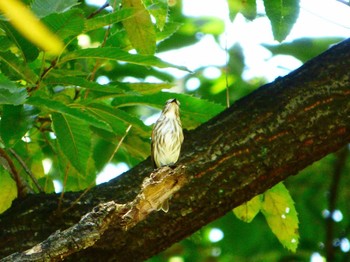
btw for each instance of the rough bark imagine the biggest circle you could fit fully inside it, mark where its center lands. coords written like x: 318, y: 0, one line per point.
x: 262, y: 139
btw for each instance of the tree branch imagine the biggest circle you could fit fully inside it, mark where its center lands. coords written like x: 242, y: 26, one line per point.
x: 262, y: 139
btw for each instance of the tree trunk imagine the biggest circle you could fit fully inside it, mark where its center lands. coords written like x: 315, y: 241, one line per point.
x: 262, y: 139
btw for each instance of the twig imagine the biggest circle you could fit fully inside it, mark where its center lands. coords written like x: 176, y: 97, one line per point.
x: 80, y: 197
x: 64, y: 185
x: 98, y: 61
x: 120, y: 143
x: 22, y: 188
x: 27, y: 170
x: 98, y: 11
x: 333, y: 194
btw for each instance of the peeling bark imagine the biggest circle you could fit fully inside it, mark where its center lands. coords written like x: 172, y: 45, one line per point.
x: 261, y: 140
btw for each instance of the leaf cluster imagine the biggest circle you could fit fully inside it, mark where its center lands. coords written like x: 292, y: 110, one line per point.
x: 60, y: 125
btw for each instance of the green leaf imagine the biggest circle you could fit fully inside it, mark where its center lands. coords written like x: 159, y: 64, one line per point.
x: 169, y: 29
x: 15, y: 122
x: 140, y: 29
x: 103, y: 150
x: 282, y: 16
x: 29, y: 51
x: 112, y: 18
x: 43, y: 8
x: 5, y: 43
x: 82, y: 82
x: 75, y: 181
x: 304, y: 48
x: 77, y: 111
x: 246, y: 7
x: 247, y: 211
x: 147, y: 88
x: 74, y: 137
x: 114, y: 53
x: 10, y: 93
x: 159, y: 10
x: 206, y: 25
x: 8, y: 190
x: 281, y: 216
x: 21, y: 70
x: 68, y: 24
x: 118, y: 119
x: 194, y: 111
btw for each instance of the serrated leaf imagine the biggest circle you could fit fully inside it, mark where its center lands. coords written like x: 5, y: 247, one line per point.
x: 68, y: 24
x: 246, y: 7
x: 140, y: 29
x: 118, y: 119
x: 147, y: 88
x: 82, y: 82
x: 114, y: 53
x: 247, y: 211
x: 194, y: 111
x: 74, y: 138
x: 46, y: 7
x: 20, y: 69
x: 281, y: 216
x: 282, y: 16
x: 10, y: 93
x: 77, y: 111
x: 14, y: 123
x: 112, y: 18
x: 8, y: 190
x: 169, y: 29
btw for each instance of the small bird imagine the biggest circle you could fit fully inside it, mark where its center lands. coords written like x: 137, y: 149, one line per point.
x: 167, y: 138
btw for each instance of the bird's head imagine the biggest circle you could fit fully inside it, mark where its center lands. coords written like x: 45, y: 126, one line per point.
x: 171, y: 107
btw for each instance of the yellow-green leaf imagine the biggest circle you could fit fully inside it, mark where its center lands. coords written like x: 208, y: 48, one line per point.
x: 140, y: 29
x: 247, y: 211
x: 159, y: 10
x: 8, y: 191
x: 281, y: 216
x: 246, y: 7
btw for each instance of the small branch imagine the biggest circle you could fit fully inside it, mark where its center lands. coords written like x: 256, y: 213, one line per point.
x: 27, y: 170
x: 333, y: 194
x: 76, y: 201
x: 22, y: 188
x: 120, y: 143
x: 98, y: 11
x: 63, y: 189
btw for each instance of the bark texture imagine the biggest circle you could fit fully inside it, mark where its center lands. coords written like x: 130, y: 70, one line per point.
x: 262, y: 139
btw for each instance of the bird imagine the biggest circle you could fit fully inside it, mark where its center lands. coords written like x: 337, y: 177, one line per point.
x: 167, y: 138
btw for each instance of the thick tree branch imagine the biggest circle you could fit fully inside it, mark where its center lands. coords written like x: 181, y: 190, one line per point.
x: 262, y: 139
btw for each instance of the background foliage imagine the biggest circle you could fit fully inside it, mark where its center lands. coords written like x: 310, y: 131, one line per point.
x: 61, y: 125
